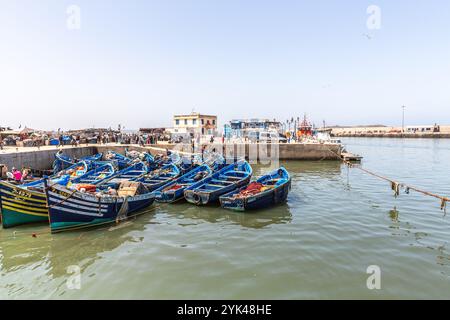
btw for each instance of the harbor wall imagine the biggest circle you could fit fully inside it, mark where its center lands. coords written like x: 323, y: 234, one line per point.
x: 395, y: 135
x: 42, y: 159
x: 251, y: 151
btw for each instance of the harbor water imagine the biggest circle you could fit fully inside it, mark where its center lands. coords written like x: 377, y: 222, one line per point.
x: 336, y: 224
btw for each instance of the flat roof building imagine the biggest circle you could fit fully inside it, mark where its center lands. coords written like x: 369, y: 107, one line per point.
x: 195, y: 123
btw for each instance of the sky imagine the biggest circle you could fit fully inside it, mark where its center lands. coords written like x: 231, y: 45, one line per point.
x: 137, y: 63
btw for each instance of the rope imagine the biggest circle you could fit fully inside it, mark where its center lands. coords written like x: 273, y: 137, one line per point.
x: 395, y: 185
x: 62, y: 201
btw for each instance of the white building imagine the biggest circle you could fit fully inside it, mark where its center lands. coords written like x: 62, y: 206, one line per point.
x: 194, y: 123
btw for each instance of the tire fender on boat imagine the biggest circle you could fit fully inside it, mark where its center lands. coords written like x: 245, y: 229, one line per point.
x: 197, y: 199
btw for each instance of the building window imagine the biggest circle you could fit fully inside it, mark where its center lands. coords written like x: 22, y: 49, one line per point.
x: 194, y: 121
x: 203, y: 121
x: 185, y: 121
x: 214, y: 122
x: 177, y: 122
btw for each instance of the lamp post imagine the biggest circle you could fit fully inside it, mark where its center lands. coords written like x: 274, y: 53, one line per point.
x: 403, y: 119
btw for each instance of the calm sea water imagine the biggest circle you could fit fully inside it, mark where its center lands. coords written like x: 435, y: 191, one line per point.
x: 336, y: 223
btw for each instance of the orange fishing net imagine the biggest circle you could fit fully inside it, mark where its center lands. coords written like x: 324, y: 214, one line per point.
x: 174, y: 187
x: 252, y: 189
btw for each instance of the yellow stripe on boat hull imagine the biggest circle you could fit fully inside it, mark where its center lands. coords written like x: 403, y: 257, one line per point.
x: 27, y: 203
x: 27, y: 198
x: 25, y: 211
x: 12, y: 204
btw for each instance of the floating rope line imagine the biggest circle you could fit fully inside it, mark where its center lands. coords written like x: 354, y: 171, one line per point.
x: 395, y: 185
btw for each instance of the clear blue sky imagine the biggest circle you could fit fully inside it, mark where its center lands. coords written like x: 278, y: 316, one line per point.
x: 139, y: 62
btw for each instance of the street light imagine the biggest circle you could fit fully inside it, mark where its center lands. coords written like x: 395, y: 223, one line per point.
x: 403, y: 119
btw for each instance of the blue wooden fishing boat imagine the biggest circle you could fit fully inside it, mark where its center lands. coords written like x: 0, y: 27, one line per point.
x: 223, y: 181
x: 188, y: 163
x: 63, y: 161
x: 174, y: 191
x: 78, y: 169
x: 159, y: 177
x: 268, y: 190
x: 215, y: 161
x: 95, y: 176
x: 72, y: 209
x: 121, y: 160
x: 130, y: 173
x: 142, y: 156
x: 170, y: 157
x: 26, y: 203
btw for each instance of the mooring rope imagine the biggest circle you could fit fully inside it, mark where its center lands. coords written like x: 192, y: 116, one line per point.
x: 395, y: 185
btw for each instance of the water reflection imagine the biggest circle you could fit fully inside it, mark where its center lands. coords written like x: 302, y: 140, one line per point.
x: 323, y: 169
x: 57, y: 252
x: 262, y: 218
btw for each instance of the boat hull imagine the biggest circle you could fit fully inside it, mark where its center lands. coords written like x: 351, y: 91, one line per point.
x: 278, y: 184
x: 167, y: 195
x: 20, y: 206
x: 205, y: 198
x: 224, y: 181
x: 72, y: 210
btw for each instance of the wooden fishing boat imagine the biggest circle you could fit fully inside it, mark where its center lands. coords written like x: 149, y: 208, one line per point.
x: 159, y: 177
x: 174, y: 190
x: 268, y: 190
x: 95, y: 176
x: 19, y: 205
x: 26, y: 203
x: 121, y: 160
x: 188, y: 163
x: 72, y: 209
x: 134, y: 171
x: 63, y: 161
x: 163, y: 159
x: 142, y: 156
x: 227, y: 179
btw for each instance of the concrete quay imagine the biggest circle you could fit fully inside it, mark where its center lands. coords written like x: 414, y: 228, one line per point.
x: 43, y: 157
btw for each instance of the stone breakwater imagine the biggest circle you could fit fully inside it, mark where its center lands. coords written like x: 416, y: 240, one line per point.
x: 395, y: 135
x: 42, y: 159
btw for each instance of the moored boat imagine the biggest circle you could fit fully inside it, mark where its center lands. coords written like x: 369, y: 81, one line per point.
x: 174, y: 190
x: 72, y: 209
x: 63, y: 161
x: 96, y: 175
x: 26, y: 203
x: 159, y: 177
x: 121, y: 160
x: 170, y: 157
x: 270, y: 189
x: 19, y: 205
x: 223, y: 181
x: 132, y: 172
x: 142, y: 156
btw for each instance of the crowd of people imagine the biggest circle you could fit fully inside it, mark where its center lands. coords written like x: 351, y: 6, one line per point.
x: 80, y: 138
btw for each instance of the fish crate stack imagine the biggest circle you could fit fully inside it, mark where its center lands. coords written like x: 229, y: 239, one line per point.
x: 130, y: 189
